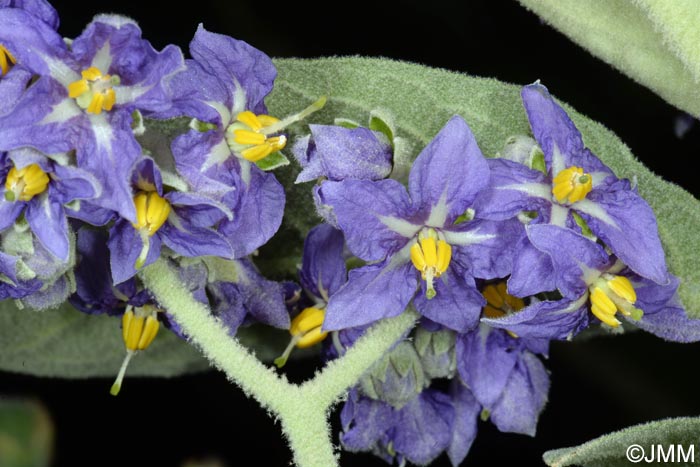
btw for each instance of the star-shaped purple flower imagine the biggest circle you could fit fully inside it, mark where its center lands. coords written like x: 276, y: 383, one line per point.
x: 181, y: 221
x: 591, y: 281
x: 574, y: 181
x: 406, y: 236
x: 40, y: 188
x: 226, y: 79
x: 85, y: 95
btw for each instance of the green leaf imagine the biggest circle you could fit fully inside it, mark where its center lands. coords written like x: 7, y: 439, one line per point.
x: 659, y: 39
x: 422, y: 99
x: 65, y: 342
x: 273, y: 161
x: 611, y: 450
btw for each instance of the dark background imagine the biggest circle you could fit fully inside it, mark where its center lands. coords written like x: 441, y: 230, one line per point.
x: 598, y: 386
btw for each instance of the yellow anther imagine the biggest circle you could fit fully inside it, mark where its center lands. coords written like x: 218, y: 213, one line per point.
x: 431, y: 257
x: 25, y: 183
x: 305, y: 330
x: 151, y: 211
x: 611, y: 294
x: 307, y: 326
x: 6, y: 60
x: 94, y: 91
x: 247, y: 136
x: 499, y: 303
x: 571, y: 185
x: 603, y: 307
x: 139, y: 328
x: 623, y: 288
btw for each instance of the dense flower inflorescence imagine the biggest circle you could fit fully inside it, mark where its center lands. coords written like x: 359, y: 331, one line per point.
x: 114, y: 154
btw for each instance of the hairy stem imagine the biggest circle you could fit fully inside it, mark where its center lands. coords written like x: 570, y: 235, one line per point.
x: 303, y: 410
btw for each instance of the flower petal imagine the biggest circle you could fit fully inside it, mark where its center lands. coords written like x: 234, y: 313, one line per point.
x: 48, y: 221
x: 190, y: 240
x: 244, y: 70
x: 523, y: 397
x: 513, y: 188
x: 485, y: 359
x: 372, y: 292
x: 560, y: 319
x: 577, y: 260
x: 257, y: 206
x: 533, y: 271
x: 457, y: 303
x: 323, y: 269
x: 423, y: 427
x: 125, y: 246
x: 626, y: 223
x: 485, y: 248
x: 556, y: 134
x: 448, y: 174
x: 371, y: 214
x: 351, y: 153
x: 466, y: 409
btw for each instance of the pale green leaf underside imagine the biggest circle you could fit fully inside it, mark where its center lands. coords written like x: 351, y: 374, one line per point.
x: 610, y: 450
x: 68, y: 343
x: 656, y: 43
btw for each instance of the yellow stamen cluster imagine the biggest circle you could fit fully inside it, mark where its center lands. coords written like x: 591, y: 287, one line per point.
x: 6, y: 60
x: 25, y: 183
x: 305, y: 330
x: 246, y: 136
x: 94, y: 91
x: 610, y: 294
x: 431, y: 257
x: 151, y: 212
x: 571, y: 185
x: 499, y: 302
x: 138, y: 331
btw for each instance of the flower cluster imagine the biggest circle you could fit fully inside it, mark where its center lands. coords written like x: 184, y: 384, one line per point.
x: 499, y: 257
x: 114, y: 155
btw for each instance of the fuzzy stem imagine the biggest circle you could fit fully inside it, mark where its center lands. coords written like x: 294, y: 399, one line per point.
x: 303, y: 410
x: 211, y: 336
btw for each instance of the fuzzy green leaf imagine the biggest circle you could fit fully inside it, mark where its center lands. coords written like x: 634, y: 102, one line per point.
x: 611, y: 450
x: 653, y: 42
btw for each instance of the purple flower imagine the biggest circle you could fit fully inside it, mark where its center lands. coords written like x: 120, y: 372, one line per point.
x: 85, y: 95
x: 417, y: 236
x: 573, y: 180
x: 40, y: 188
x: 589, y: 279
x: 224, y: 87
x: 418, y: 432
x: 95, y: 290
x: 322, y: 273
x: 181, y: 221
x: 338, y: 153
x: 505, y: 377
